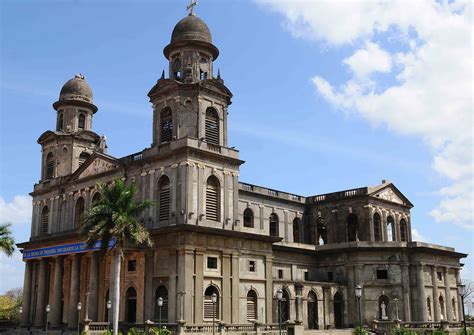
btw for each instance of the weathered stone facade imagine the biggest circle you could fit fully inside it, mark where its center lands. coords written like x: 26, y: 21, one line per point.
x: 213, y: 233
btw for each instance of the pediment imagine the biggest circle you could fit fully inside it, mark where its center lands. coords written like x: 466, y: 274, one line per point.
x: 97, y: 164
x: 392, y: 194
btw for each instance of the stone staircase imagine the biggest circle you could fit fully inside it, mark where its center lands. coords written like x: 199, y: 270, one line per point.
x: 329, y: 332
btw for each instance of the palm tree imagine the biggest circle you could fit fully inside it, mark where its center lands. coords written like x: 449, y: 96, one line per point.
x: 7, y: 243
x: 114, y: 220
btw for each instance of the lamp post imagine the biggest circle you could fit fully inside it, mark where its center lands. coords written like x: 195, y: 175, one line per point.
x: 462, y: 294
x: 214, y: 300
x: 358, y: 294
x: 160, y: 304
x: 20, y: 311
x: 396, y: 308
x: 48, y: 309
x: 109, y: 305
x: 79, y: 307
x: 279, y: 298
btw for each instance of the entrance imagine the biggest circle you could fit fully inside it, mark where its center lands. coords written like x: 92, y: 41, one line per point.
x: 312, y: 311
x: 338, y: 310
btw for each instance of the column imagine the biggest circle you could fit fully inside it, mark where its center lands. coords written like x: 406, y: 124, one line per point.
x: 185, y: 282
x: 41, y: 301
x: 436, y: 307
x: 235, y: 288
x: 268, y: 289
x: 56, y: 305
x: 149, y: 294
x: 172, y: 289
x: 422, y: 311
x: 406, y: 292
x: 199, y: 289
x: 94, y: 287
x: 25, y: 317
x: 448, y: 306
x: 74, y: 291
x: 226, y: 289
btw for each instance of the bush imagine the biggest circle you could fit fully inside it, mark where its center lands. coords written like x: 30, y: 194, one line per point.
x: 403, y: 331
x: 470, y: 331
x: 157, y: 331
x: 358, y: 331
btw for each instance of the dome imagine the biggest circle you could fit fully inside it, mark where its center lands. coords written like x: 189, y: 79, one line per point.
x: 191, y: 28
x: 76, y: 89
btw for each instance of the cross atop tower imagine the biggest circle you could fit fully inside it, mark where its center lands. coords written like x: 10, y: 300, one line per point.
x: 191, y: 6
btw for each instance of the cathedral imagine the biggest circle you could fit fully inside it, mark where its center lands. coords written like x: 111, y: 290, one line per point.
x: 264, y: 254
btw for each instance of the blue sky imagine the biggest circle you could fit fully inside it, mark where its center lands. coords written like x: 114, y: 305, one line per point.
x: 327, y: 96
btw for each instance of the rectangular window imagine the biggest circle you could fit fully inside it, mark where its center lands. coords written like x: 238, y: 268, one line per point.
x: 382, y: 274
x: 132, y: 265
x: 252, y: 266
x: 212, y: 262
x: 439, y: 275
x: 330, y: 276
x: 306, y: 275
x: 280, y: 274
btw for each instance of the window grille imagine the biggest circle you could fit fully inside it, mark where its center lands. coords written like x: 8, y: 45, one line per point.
x: 82, y: 121
x: 251, y: 266
x: 251, y: 305
x: 377, y: 227
x: 166, y: 125
x: 45, y: 221
x: 273, y: 225
x: 164, y: 199
x: 50, y: 166
x: 248, y: 218
x: 212, y: 126
x: 209, y: 309
x: 212, y: 199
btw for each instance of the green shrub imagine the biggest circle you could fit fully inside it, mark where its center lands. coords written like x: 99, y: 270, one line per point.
x: 403, y: 331
x: 358, y: 331
x: 157, y: 331
x: 470, y: 331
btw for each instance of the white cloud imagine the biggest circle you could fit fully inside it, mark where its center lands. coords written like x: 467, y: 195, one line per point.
x: 430, y: 94
x: 416, y: 236
x: 18, y: 211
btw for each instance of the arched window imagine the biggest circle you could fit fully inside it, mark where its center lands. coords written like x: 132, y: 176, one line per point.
x: 248, y: 218
x: 307, y: 234
x: 213, y: 199
x: 352, y: 228
x: 83, y: 157
x: 338, y: 310
x: 285, y: 306
x: 50, y: 166
x: 45, y: 221
x: 377, y: 227
x: 96, y: 198
x: 60, y: 124
x: 428, y: 308
x: 164, y: 201
x: 252, y: 306
x: 79, y: 213
x: 210, y: 308
x: 177, y: 69
x: 212, y: 126
x: 296, y: 230
x: 441, y: 307
x: 161, y: 292
x: 312, y: 310
x: 203, y: 69
x: 81, y: 124
x: 166, y: 125
x: 390, y: 229
x: 273, y: 225
x: 322, y: 237
x: 131, y: 305
x: 403, y: 230
x: 453, y: 307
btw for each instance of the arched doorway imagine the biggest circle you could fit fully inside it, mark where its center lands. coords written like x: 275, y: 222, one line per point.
x: 383, y: 307
x: 161, y: 292
x: 338, y: 310
x: 312, y: 310
x: 211, y: 310
x: 131, y: 305
x: 284, y: 306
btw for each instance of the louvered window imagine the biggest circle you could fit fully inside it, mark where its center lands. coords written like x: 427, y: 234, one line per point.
x: 212, y: 126
x: 83, y: 157
x: 212, y: 199
x: 210, y: 308
x: 50, y: 166
x: 166, y: 125
x: 45, y: 221
x: 273, y: 224
x: 251, y: 306
x: 164, y: 199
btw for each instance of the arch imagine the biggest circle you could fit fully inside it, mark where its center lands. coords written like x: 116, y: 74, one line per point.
x: 377, y: 227
x: 212, y: 133
x: 81, y: 123
x: 166, y: 117
x: 177, y: 73
x: 45, y: 221
x: 442, y: 313
x: 338, y: 305
x: 274, y: 223
x: 352, y: 228
x: 321, y: 231
x: 50, y: 165
x: 252, y: 306
x: 83, y: 157
x: 164, y: 198
x: 79, y: 213
x: 131, y: 305
x: 296, y: 230
x: 162, y: 292
x: 248, y: 218
x: 383, y: 307
x: 60, y: 123
x: 403, y: 230
x: 213, y: 198
x: 390, y: 229
x: 312, y: 310
x: 209, y: 309
x: 285, y: 306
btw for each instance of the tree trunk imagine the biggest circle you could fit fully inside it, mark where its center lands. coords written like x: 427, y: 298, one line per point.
x: 115, y: 287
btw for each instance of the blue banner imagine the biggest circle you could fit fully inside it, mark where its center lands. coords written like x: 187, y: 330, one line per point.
x: 63, y: 249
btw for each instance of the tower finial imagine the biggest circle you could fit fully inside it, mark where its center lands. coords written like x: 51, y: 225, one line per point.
x: 190, y: 7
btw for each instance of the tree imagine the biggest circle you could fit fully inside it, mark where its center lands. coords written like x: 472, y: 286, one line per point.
x: 7, y: 243
x: 113, y: 221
